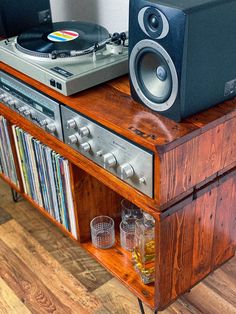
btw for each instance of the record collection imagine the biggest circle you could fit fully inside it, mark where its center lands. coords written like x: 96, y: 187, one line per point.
x: 46, y: 178
x: 7, y: 165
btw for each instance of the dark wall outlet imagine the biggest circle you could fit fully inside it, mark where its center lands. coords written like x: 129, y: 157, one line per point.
x: 44, y: 16
x: 17, y: 16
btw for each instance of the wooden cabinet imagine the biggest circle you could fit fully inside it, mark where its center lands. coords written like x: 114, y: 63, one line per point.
x: 194, y: 186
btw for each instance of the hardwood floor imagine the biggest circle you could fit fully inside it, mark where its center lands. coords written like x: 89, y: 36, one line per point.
x: 43, y: 271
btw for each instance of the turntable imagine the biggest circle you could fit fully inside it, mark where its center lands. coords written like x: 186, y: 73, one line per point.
x: 67, y: 56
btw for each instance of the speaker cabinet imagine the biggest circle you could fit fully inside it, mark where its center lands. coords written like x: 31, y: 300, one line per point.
x: 182, y: 54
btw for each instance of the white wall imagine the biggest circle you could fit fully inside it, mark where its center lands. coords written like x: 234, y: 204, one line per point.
x: 112, y: 14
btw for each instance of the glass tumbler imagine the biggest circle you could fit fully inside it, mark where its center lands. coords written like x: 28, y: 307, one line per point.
x: 127, y: 234
x: 129, y: 210
x: 102, y: 232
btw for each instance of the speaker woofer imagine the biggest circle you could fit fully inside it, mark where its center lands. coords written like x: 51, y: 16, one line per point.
x: 153, y: 75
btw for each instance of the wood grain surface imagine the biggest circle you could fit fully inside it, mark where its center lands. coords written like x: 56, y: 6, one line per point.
x: 44, y: 243
x: 186, y: 153
x: 195, y: 239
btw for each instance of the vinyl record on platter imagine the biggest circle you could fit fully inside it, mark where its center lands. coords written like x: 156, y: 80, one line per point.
x: 72, y: 35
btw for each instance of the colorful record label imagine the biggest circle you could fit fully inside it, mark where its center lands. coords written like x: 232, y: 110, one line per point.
x: 63, y: 35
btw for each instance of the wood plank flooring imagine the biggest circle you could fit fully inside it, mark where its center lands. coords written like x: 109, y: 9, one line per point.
x: 43, y: 271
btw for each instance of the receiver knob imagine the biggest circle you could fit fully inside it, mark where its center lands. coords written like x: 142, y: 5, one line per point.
x: 50, y: 128
x: 30, y: 113
x: 71, y: 124
x: 142, y: 180
x: 73, y: 139
x: 99, y: 153
x: 12, y: 102
x: 84, y: 131
x: 44, y: 122
x: 125, y: 171
x: 6, y: 99
x: 109, y: 160
x: 22, y: 109
x: 86, y: 147
x: 3, y: 95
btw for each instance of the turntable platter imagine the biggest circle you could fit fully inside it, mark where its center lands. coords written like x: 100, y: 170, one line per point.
x: 61, y: 36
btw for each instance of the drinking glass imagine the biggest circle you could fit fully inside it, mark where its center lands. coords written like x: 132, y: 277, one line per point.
x: 102, y: 232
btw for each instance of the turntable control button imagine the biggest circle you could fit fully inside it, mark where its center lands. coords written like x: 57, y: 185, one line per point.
x: 86, y: 147
x: 52, y: 82
x: 59, y: 86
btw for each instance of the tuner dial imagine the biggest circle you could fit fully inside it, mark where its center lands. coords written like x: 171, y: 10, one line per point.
x: 86, y: 147
x: 109, y: 160
x: 71, y: 124
x: 73, y: 139
x: 50, y: 128
x: 125, y: 171
x: 84, y: 131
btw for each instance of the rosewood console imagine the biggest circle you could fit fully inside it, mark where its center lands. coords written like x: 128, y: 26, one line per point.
x: 194, y: 201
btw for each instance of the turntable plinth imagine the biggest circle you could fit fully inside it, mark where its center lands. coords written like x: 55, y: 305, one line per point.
x: 194, y: 186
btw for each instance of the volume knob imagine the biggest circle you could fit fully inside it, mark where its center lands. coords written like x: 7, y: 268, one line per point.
x: 125, y: 171
x: 84, y: 131
x: 109, y: 160
x: 71, y: 124
x: 86, y: 147
x: 73, y: 139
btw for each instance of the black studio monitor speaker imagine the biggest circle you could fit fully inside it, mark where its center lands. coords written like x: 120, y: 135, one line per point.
x: 182, y: 54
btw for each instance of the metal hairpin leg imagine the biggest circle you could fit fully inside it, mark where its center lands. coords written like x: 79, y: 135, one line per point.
x: 141, y: 306
x: 142, y: 309
x: 15, y: 196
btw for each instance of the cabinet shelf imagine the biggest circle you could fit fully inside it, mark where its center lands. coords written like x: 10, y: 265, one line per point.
x: 118, y: 261
x: 9, y: 182
x: 35, y: 205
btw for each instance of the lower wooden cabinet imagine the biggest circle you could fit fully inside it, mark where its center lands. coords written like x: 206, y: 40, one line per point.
x: 193, y: 237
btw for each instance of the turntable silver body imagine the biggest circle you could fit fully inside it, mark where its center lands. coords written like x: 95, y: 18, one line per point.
x: 67, y: 75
